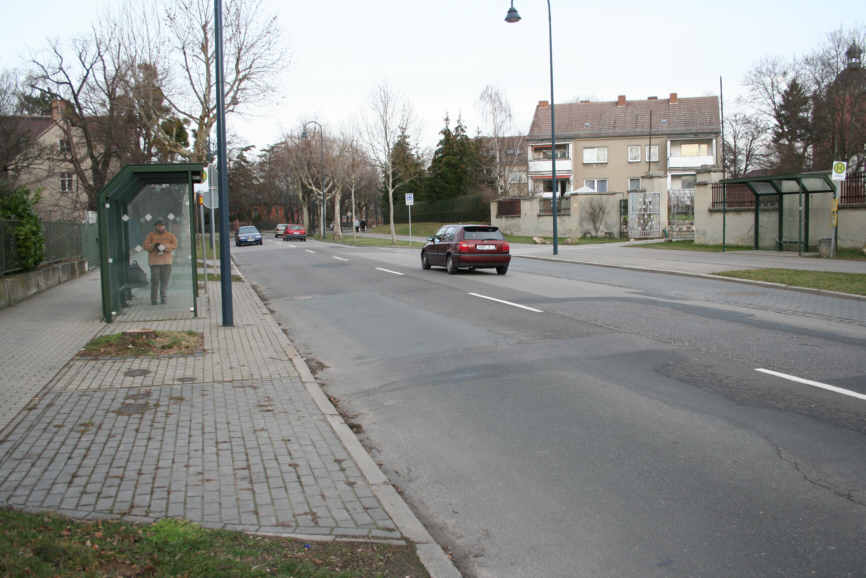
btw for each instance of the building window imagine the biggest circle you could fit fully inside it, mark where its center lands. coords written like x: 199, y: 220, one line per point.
x: 652, y: 153
x: 597, y: 185
x: 634, y: 184
x: 695, y: 149
x: 66, y: 182
x: 634, y: 153
x: 594, y: 155
x: 546, y: 185
x: 542, y: 152
x: 63, y: 146
x: 686, y: 182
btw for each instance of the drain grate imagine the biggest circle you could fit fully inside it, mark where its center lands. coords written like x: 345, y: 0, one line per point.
x: 185, y: 379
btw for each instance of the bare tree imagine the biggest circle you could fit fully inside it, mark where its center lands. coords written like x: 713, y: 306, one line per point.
x: 506, y: 149
x: 390, y: 119
x: 252, y: 57
x: 93, y: 86
x: 19, y: 145
x: 747, y: 144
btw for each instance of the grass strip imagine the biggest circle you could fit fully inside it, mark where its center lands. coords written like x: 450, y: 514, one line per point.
x: 690, y: 246
x: 854, y: 283
x: 158, y: 343
x: 51, y: 545
x: 373, y: 242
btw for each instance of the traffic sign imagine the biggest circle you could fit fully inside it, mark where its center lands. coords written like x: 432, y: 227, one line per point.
x: 410, y: 199
x: 840, y: 168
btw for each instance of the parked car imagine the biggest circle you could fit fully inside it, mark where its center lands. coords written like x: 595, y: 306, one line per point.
x: 467, y: 247
x: 248, y: 235
x: 295, y: 232
x: 278, y: 231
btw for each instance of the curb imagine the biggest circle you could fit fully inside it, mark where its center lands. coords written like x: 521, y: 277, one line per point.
x: 437, y: 563
x: 701, y: 276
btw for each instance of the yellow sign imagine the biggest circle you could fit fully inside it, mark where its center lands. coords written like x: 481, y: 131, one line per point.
x: 839, y: 170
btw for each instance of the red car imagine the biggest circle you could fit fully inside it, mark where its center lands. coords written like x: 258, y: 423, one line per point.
x: 294, y: 232
x: 467, y: 247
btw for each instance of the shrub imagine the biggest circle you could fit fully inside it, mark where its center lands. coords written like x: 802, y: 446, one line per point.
x: 17, y: 205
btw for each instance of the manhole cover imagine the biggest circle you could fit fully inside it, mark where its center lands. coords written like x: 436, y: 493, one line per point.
x: 132, y: 408
x: 136, y: 372
x: 185, y: 379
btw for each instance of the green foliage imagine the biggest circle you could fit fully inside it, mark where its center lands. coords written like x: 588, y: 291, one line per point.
x: 792, y: 132
x: 16, y: 204
x: 457, y: 168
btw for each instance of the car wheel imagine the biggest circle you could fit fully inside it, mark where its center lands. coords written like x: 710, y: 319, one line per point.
x: 425, y: 263
x: 502, y: 270
x: 450, y: 265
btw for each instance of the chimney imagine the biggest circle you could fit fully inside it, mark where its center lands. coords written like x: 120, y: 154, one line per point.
x: 653, y: 98
x: 57, y: 109
x: 620, y: 100
x: 543, y: 104
x: 674, y: 99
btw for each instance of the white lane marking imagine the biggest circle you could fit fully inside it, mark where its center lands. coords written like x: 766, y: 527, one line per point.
x: 389, y: 271
x: 826, y: 386
x: 310, y: 251
x: 533, y: 309
x: 340, y: 258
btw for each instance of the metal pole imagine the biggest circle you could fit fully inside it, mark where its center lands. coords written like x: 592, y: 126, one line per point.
x: 410, y: 225
x: 553, y: 133
x: 724, y: 172
x: 322, y: 174
x: 225, y: 258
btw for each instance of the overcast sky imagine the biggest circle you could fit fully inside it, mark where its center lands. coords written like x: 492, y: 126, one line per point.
x: 440, y: 55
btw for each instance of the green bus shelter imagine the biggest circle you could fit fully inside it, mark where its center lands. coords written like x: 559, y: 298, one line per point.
x: 131, y: 206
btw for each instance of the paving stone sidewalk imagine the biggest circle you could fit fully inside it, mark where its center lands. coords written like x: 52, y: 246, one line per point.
x: 230, y: 438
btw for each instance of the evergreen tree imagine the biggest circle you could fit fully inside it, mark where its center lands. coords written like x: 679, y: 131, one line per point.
x: 457, y: 167
x: 793, y: 128
x: 409, y: 171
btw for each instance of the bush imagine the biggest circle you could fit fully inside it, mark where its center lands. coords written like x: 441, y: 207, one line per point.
x: 17, y: 205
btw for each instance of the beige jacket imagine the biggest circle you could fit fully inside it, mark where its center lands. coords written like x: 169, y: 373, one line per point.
x: 153, y: 240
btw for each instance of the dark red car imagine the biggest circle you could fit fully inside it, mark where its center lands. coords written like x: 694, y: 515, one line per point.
x: 467, y: 247
x: 292, y: 232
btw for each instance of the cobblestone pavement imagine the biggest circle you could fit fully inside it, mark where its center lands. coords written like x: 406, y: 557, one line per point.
x: 40, y: 335
x: 230, y: 438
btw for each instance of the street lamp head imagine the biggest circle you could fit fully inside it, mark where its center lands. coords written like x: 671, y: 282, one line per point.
x: 512, y: 15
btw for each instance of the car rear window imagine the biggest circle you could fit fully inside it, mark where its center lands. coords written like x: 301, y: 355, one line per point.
x: 482, y: 234
x: 248, y: 230
x: 296, y: 227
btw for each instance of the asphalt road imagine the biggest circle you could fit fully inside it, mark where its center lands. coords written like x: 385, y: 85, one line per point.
x: 617, y: 427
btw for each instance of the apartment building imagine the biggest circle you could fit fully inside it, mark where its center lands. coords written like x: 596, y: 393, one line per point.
x: 626, y: 145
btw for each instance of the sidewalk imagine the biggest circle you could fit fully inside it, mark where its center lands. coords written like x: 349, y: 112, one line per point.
x: 239, y: 437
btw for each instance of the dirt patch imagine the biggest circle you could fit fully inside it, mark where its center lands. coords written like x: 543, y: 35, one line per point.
x: 144, y: 344
x: 315, y: 366
x: 130, y: 409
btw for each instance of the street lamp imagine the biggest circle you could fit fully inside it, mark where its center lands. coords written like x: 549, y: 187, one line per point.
x: 511, y: 18
x: 321, y: 169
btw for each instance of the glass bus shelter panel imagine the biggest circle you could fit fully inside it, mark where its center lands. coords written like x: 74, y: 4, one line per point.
x: 789, y: 186
x: 763, y: 188
x: 155, y: 276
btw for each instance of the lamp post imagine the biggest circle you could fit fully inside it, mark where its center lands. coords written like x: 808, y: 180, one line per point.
x: 222, y: 173
x: 513, y: 17
x: 321, y: 169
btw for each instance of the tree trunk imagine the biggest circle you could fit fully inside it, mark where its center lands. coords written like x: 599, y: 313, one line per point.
x: 391, y: 204
x: 338, y: 221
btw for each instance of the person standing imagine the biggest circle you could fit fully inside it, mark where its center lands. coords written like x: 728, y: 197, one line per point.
x: 160, y: 245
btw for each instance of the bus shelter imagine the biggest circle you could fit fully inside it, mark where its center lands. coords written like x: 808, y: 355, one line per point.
x: 146, y: 242
x: 790, y: 197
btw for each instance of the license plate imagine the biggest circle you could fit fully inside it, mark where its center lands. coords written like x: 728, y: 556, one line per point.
x: 486, y: 247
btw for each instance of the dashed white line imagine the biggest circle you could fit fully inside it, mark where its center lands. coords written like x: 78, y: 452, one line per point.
x: 340, y: 258
x: 389, y: 271
x: 310, y: 251
x: 533, y: 309
x: 818, y: 384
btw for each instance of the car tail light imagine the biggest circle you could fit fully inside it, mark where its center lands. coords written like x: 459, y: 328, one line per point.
x: 505, y: 248
x: 464, y: 247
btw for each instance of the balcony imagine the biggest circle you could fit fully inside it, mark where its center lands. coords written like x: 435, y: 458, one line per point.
x: 546, y: 166
x: 690, y: 162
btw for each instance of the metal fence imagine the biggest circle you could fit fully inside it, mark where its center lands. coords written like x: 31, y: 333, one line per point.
x: 63, y: 241
x: 852, y: 191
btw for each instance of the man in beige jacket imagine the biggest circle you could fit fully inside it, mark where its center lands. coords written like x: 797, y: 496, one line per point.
x: 160, y: 245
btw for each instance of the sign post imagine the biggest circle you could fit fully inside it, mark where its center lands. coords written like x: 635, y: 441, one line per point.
x: 840, y: 169
x: 410, y: 200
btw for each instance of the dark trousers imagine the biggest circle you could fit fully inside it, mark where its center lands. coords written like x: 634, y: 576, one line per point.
x: 159, y: 275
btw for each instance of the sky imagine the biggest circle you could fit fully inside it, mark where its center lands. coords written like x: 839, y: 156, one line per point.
x: 439, y: 56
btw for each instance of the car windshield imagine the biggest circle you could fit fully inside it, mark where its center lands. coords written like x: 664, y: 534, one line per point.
x: 482, y: 234
x: 248, y: 230
x: 295, y: 227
